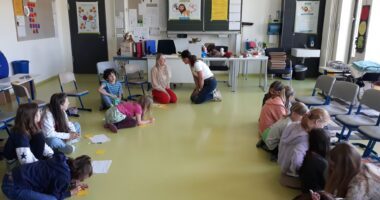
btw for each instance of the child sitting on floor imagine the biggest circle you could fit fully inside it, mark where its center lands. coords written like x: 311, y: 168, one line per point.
x: 128, y: 114
x: 271, y: 136
x: 26, y: 142
x: 275, y: 89
x: 55, y: 178
x: 275, y: 108
x: 59, y: 132
x: 294, y: 144
x: 111, y: 90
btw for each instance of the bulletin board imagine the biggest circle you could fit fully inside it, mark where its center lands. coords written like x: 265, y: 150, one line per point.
x: 34, y: 19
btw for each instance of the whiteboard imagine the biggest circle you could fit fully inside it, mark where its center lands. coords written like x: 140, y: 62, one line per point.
x: 306, y: 20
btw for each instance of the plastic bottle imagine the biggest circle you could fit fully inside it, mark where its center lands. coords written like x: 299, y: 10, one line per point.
x: 222, y: 51
x: 204, y: 52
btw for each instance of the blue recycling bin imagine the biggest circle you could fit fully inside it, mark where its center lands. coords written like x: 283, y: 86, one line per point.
x: 20, y: 67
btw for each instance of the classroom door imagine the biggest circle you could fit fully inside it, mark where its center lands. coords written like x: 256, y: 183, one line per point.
x: 88, y: 34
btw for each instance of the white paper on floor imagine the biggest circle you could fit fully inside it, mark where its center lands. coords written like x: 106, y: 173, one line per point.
x: 99, y: 139
x: 101, y: 166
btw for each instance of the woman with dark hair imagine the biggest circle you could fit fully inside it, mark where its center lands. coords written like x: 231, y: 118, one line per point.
x: 26, y: 143
x: 52, y: 179
x: 205, y: 82
x: 314, y: 166
x: 60, y: 133
x: 161, y: 82
x: 349, y: 178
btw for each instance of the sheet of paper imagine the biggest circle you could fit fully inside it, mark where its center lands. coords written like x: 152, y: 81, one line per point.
x: 132, y: 17
x: 154, y: 31
x: 21, y: 31
x: 98, y: 139
x: 152, y: 11
x: 142, y: 9
x: 234, y: 26
x: 235, y: 8
x: 235, y: 2
x: 101, y: 166
x: 234, y: 16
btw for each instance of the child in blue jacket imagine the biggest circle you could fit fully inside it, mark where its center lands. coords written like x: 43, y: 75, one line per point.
x: 55, y: 178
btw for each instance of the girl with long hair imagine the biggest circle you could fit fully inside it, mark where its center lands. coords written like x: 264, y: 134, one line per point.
x: 55, y: 178
x: 129, y: 114
x: 26, y: 142
x: 161, y: 82
x: 349, y: 177
x: 294, y: 144
x: 59, y: 132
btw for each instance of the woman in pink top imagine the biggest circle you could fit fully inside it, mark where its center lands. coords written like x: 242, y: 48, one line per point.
x: 275, y: 108
x: 129, y: 114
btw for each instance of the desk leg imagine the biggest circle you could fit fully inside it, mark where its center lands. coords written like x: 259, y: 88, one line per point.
x: 260, y: 73
x: 234, y: 76
x: 245, y: 69
x: 230, y: 73
x: 266, y: 75
x: 32, y: 89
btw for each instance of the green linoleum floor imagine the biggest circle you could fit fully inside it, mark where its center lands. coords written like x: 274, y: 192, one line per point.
x: 191, y: 152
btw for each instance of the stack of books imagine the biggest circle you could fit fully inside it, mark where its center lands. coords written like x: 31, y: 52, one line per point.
x: 277, y: 60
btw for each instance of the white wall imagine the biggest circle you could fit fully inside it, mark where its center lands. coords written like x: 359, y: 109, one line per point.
x: 373, y: 39
x: 47, y: 56
x: 344, y: 31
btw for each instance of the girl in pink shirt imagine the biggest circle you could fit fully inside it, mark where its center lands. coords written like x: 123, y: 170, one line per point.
x: 275, y: 109
x: 128, y: 114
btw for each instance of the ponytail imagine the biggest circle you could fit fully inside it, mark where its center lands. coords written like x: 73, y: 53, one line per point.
x: 80, y: 167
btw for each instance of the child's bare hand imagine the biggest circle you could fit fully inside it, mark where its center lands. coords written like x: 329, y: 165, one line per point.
x: 75, y: 190
x: 152, y: 120
x: 73, y: 136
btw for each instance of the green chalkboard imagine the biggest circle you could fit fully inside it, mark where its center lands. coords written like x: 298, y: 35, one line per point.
x: 205, y: 24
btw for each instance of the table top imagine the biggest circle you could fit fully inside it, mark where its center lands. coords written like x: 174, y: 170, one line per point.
x: 5, y: 83
x: 235, y: 58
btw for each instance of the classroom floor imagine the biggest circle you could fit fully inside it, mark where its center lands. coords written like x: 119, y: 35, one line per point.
x: 201, y: 152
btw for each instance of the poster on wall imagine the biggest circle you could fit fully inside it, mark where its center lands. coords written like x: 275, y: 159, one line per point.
x: 88, y: 17
x: 362, y: 31
x: 184, y: 9
x: 306, y: 20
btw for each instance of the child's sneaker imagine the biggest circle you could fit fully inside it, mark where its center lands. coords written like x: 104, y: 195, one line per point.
x: 111, y: 127
x: 217, y: 95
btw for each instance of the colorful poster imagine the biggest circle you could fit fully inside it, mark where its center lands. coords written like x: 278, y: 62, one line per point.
x: 362, y: 32
x: 88, y: 17
x: 219, y: 10
x: 184, y: 9
x: 306, y: 17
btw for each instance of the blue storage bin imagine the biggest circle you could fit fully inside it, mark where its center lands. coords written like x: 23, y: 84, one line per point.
x: 20, y: 67
x: 4, y: 67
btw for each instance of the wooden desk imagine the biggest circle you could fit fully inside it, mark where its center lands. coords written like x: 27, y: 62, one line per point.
x: 26, y: 80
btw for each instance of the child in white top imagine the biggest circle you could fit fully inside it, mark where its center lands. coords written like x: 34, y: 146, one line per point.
x: 60, y: 133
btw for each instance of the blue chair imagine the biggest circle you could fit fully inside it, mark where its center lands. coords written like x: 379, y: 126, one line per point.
x: 68, y: 77
x: 324, y: 83
x: 21, y: 92
x: 370, y: 99
x: 372, y: 133
x: 343, y: 96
